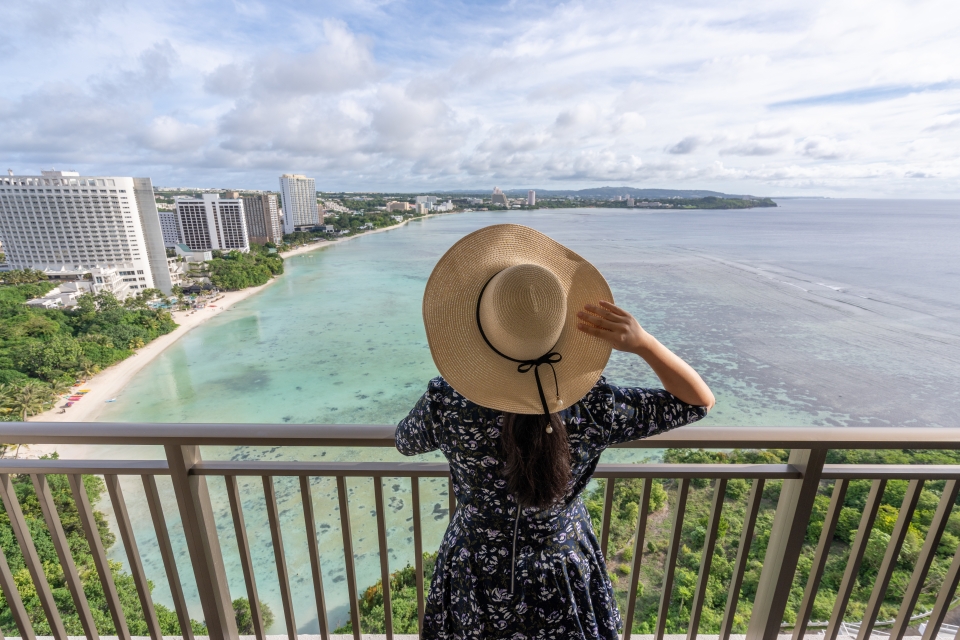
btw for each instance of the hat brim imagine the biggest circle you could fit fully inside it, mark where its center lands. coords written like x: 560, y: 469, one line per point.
x: 463, y: 357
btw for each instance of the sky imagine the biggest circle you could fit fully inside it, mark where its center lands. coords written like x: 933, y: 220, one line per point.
x: 776, y: 98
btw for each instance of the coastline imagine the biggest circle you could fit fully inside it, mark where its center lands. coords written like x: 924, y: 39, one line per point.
x: 111, y: 381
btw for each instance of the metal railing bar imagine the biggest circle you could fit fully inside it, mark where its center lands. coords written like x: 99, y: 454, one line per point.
x: 607, y: 514
x: 92, y: 533
x: 417, y: 548
x: 857, y: 550
x: 14, y: 602
x: 306, y: 496
x: 283, y: 576
x: 638, y: 539
x: 743, y: 554
x: 891, y: 471
x: 384, y: 555
x: 167, y: 555
x: 85, y: 467
x: 785, y: 545
x: 890, y: 555
x: 285, y: 435
x: 671, y: 562
x: 706, y: 558
x: 246, y: 563
x: 819, y: 564
x: 203, y: 542
x: 927, y: 552
x: 709, y: 471
x: 441, y: 469
x: 133, y: 555
x: 344, y: 499
x: 944, y: 597
x: 30, y: 557
x: 203, y: 433
x: 62, y: 547
x: 323, y: 469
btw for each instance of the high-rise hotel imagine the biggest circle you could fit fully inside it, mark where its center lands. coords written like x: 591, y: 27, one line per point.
x: 263, y: 218
x: 68, y: 226
x: 212, y: 223
x: 299, y: 194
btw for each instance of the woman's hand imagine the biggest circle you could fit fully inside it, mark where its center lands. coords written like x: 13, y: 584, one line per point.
x: 611, y: 323
x: 619, y: 328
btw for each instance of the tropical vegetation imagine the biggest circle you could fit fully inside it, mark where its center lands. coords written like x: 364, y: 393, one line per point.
x: 45, y: 351
x: 345, y: 224
x: 238, y: 270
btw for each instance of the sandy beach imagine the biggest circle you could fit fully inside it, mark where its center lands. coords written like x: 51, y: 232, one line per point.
x: 108, y: 383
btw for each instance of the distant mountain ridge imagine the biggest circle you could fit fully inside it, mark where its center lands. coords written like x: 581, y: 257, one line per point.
x: 608, y: 192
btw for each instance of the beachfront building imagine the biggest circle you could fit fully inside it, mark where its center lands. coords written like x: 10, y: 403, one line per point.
x: 211, y: 223
x: 169, y: 228
x: 531, y: 198
x: 399, y: 206
x: 299, y: 194
x: 429, y: 201
x: 263, y: 219
x: 102, y: 229
x: 498, y: 198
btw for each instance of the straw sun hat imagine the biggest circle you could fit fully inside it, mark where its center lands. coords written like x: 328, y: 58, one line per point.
x: 500, y: 310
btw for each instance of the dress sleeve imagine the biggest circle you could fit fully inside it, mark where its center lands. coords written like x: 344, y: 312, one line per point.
x: 632, y: 413
x: 418, y: 432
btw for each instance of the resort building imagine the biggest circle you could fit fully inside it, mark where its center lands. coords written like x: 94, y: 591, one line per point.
x: 498, y: 197
x: 102, y: 229
x: 263, y: 219
x: 169, y: 228
x: 299, y: 194
x: 430, y: 201
x: 212, y: 223
x: 531, y: 198
x: 399, y: 206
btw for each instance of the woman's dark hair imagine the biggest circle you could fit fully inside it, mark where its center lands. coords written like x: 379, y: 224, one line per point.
x: 538, y: 463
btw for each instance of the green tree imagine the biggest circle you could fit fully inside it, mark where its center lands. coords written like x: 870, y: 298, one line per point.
x: 244, y: 617
x: 28, y: 400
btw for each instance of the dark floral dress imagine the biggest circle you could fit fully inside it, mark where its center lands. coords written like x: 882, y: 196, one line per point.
x: 504, y: 572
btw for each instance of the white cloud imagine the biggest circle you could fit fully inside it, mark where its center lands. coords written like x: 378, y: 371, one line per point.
x: 786, y: 97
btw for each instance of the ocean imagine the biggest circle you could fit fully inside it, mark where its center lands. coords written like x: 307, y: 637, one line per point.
x: 817, y: 312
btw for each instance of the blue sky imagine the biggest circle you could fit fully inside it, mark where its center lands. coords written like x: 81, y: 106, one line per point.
x: 854, y: 98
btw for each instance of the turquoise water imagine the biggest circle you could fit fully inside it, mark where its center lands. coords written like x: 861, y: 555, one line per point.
x: 817, y: 312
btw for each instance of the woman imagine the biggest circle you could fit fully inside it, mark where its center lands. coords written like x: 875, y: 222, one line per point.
x: 520, y: 328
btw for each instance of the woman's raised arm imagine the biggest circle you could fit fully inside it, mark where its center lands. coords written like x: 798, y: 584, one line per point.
x: 611, y: 323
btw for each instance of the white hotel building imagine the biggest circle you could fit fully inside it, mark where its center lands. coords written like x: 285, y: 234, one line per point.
x: 68, y: 226
x: 212, y: 223
x: 299, y: 195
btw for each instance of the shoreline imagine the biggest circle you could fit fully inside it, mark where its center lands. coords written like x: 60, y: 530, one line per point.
x: 110, y: 382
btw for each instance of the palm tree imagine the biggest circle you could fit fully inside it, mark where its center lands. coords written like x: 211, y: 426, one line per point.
x: 28, y: 400
x: 6, y: 391
x: 59, y: 388
x: 88, y: 369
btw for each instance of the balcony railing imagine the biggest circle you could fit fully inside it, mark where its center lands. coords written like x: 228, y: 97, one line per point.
x: 801, y: 476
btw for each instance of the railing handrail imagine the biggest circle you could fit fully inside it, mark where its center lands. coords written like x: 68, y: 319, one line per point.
x: 339, y: 435
x: 800, y: 483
